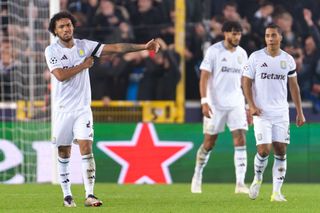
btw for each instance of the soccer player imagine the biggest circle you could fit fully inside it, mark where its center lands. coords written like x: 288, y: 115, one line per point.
x: 69, y: 60
x: 223, y: 103
x: 265, y: 88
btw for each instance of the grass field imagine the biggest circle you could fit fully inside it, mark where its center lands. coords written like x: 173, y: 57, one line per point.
x: 158, y: 198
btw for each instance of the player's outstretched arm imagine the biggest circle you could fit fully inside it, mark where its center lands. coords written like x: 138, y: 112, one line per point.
x: 128, y: 47
x: 246, y: 87
x: 295, y: 95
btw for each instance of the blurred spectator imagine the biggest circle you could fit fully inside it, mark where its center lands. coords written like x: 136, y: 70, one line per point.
x: 147, y: 20
x: 285, y: 22
x: 63, y: 5
x: 161, y: 75
x: 262, y: 17
x: 310, y: 78
x: 230, y: 13
x: 117, y: 77
x: 110, y: 24
x: 7, y: 66
x: 141, y: 20
x: 214, y: 28
x: 168, y: 30
x: 195, y: 41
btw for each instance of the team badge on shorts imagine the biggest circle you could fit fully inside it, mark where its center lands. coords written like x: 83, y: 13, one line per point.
x: 283, y: 64
x: 259, y: 137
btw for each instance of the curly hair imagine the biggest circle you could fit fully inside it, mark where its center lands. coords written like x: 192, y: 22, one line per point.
x: 229, y: 26
x: 57, y: 17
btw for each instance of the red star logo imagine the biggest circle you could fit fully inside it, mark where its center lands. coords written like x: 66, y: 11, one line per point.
x: 145, y: 159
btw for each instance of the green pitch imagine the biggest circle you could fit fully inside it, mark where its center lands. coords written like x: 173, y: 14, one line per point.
x: 158, y: 198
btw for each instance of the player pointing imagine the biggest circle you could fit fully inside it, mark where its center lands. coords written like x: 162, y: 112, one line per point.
x: 265, y: 88
x: 69, y: 60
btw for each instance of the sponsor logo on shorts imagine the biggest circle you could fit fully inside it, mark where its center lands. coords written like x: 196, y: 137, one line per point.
x: 259, y: 137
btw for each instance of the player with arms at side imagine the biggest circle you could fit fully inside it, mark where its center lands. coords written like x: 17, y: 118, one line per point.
x: 265, y: 87
x: 69, y: 60
x: 223, y: 103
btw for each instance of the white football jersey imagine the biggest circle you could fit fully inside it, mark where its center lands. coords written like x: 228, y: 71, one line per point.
x: 270, y: 76
x: 226, y: 67
x: 74, y: 93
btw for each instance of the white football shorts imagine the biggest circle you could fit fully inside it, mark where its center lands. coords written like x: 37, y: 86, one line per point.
x: 235, y: 118
x: 69, y: 127
x: 271, y: 129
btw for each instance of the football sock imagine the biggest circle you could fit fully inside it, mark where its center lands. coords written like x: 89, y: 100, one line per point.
x: 260, y: 164
x: 202, y: 159
x: 88, y: 173
x: 279, y: 172
x: 63, y: 167
x: 240, y: 163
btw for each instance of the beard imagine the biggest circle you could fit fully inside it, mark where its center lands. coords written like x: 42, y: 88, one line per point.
x: 233, y: 44
x: 65, y: 39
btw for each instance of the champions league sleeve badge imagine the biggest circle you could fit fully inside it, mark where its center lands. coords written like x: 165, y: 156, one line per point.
x: 53, y: 60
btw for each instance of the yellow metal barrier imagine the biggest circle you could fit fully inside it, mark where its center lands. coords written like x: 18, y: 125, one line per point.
x: 128, y: 111
x: 116, y: 111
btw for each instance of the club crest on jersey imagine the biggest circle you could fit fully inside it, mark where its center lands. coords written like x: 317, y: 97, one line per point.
x: 81, y: 52
x: 283, y: 64
x: 240, y: 59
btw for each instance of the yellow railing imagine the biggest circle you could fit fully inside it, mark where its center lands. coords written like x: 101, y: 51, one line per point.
x: 116, y: 111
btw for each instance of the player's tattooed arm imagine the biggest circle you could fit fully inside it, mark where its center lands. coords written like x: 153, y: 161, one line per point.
x: 129, y: 47
x: 67, y: 73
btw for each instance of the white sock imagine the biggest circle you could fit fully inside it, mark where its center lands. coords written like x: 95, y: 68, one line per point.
x: 260, y: 164
x: 279, y: 172
x: 88, y: 173
x: 240, y: 163
x: 63, y: 167
x: 201, y: 161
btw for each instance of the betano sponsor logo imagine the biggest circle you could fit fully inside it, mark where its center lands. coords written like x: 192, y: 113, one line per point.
x: 230, y: 69
x: 273, y: 76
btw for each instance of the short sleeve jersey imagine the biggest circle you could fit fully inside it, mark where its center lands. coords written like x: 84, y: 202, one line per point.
x: 269, y: 80
x: 226, y: 67
x: 74, y: 93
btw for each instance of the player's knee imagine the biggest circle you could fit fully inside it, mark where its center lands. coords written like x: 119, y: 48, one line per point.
x: 64, y: 151
x: 241, y: 141
x: 263, y: 152
x: 209, y: 142
x: 280, y: 148
x: 85, y: 150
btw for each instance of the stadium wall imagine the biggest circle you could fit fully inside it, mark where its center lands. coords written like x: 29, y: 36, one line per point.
x: 164, y: 153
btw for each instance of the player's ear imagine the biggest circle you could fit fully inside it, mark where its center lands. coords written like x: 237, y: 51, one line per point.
x: 281, y: 37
